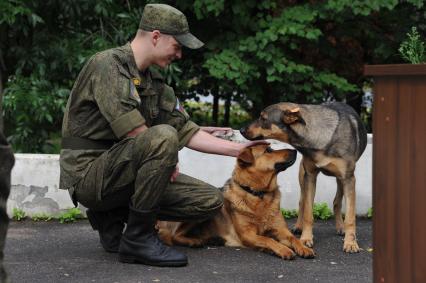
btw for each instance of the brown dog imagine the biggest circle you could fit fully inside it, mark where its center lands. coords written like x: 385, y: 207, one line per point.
x: 331, y: 138
x: 251, y: 215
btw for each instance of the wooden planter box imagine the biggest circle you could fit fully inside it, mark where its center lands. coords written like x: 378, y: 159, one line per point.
x: 399, y: 172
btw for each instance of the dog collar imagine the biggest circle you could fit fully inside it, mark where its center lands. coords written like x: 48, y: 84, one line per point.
x: 259, y: 194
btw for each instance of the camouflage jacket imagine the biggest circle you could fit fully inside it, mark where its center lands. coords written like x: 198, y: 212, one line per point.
x: 109, y: 99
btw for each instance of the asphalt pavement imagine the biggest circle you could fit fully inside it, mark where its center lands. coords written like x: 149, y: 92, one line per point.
x: 54, y: 252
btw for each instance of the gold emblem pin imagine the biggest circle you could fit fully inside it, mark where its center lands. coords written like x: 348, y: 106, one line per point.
x: 136, y: 81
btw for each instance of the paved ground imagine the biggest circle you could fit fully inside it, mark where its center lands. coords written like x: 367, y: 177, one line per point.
x: 53, y: 252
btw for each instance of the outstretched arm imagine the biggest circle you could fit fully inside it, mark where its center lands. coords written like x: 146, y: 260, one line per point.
x: 205, y: 142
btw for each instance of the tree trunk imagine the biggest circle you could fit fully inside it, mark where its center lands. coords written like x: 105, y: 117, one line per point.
x: 227, y: 110
x: 6, y: 164
x: 215, y: 108
x: 1, y: 91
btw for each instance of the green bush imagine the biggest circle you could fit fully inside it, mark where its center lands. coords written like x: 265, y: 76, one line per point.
x: 288, y: 214
x: 18, y: 214
x: 413, y: 48
x: 41, y: 217
x: 322, y: 211
x: 370, y: 212
x: 33, y: 110
x: 71, y: 215
x: 202, y: 114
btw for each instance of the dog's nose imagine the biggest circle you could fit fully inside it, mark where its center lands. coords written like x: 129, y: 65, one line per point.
x: 293, y: 153
x: 243, y: 132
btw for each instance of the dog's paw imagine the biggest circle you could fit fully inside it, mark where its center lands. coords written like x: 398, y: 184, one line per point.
x: 196, y: 243
x: 309, y: 242
x: 305, y: 252
x: 350, y: 247
x: 286, y: 253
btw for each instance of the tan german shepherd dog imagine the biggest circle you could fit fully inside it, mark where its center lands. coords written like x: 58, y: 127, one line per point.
x: 251, y: 215
x: 331, y: 138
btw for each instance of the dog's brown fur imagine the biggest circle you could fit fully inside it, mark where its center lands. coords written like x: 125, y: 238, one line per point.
x: 247, y: 220
x: 331, y: 138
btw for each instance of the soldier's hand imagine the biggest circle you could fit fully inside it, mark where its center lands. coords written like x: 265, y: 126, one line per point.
x: 252, y: 143
x: 175, y: 174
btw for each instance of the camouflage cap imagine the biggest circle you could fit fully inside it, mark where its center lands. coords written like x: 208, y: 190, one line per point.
x: 171, y: 21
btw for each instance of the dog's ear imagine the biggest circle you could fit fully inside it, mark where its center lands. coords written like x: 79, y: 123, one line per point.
x: 245, y: 158
x: 292, y: 116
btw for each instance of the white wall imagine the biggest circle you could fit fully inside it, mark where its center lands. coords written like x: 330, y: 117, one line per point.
x: 35, y: 180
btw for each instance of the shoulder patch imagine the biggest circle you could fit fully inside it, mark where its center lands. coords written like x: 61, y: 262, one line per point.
x: 179, y: 107
x: 136, y: 81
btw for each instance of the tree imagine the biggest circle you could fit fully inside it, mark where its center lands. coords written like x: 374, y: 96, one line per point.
x: 257, y: 53
x: 44, y: 45
x: 302, y: 51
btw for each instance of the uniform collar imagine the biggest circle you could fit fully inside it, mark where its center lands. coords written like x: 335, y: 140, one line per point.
x: 129, y: 59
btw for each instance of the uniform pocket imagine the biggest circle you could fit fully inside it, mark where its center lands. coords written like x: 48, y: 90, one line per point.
x: 119, y: 167
x: 149, y: 104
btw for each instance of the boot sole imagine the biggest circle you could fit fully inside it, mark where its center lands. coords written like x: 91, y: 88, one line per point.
x: 132, y: 259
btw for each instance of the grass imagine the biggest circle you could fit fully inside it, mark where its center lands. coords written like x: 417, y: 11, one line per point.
x: 69, y: 216
x: 18, y: 214
x: 320, y: 211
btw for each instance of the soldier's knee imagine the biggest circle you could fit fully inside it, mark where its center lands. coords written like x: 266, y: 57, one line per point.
x: 161, y: 140
x: 213, y: 204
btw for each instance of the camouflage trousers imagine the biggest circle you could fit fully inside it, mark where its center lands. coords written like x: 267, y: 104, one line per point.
x: 138, y: 170
x: 6, y: 164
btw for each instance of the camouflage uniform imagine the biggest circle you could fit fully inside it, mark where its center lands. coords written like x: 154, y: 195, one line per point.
x: 109, y: 99
x: 6, y: 164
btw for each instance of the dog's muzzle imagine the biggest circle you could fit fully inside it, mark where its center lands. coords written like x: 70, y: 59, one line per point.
x: 243, y: 132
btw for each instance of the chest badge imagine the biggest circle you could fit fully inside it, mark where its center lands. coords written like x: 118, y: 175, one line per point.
x: 136, y: 81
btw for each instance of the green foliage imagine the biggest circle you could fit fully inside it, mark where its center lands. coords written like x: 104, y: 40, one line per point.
x: 370, y: 212
x: 322, y: 211
x: 289, y: 213
x: 41, y: 217
x: 70, y: 216
x: 205, y: 7
x: 413, y: 48
x: 44, y: 44
x: 202, y: 114
x: 261, y: 52
x: 33, y: 110
x: 18, y: 214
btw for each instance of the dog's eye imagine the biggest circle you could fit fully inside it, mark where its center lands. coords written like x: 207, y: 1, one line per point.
x: 269, y: 149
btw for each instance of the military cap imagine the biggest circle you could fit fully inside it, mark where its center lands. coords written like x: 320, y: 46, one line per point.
x: 171, y: 21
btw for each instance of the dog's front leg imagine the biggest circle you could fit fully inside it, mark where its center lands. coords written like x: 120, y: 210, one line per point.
x: 180, y: 237
x: 251, y: 239
x: 287, y: 238
x: 308, y: 189
x: 337, y: 208
x: 298, y: 227
x: 350, y: 244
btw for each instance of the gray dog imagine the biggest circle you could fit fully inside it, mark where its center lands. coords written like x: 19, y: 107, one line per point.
x: 331, y: 138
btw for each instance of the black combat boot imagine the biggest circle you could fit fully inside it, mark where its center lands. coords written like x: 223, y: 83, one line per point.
x: 110, y: 225
x: 140, y: 242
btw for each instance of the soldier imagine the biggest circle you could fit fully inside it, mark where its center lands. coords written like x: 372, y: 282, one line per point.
x: 122, y: 130
x: 6, y: 164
